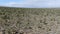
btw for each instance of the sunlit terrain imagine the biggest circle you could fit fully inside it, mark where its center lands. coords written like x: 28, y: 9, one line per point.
x: 29, y: 20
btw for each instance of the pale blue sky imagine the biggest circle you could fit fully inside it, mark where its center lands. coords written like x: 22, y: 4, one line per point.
x: 31, y: 3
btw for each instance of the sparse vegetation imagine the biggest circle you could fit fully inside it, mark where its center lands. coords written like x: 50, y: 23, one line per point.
x: 28, y: 20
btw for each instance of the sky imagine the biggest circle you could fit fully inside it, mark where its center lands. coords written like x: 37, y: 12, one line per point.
x: 31, y: 3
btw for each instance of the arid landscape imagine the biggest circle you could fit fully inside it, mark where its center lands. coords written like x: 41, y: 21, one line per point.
x: 29, y: 20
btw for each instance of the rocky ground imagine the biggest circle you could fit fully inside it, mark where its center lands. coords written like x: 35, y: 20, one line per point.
x: 29, y: 21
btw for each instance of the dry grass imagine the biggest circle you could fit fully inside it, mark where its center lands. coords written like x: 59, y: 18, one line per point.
x: 29, y: 21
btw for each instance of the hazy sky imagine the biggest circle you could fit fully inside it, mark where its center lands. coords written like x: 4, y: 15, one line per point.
x: 31, y: 3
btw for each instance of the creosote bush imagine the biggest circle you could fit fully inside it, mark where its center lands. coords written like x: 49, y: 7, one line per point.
x: 28, y: 20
